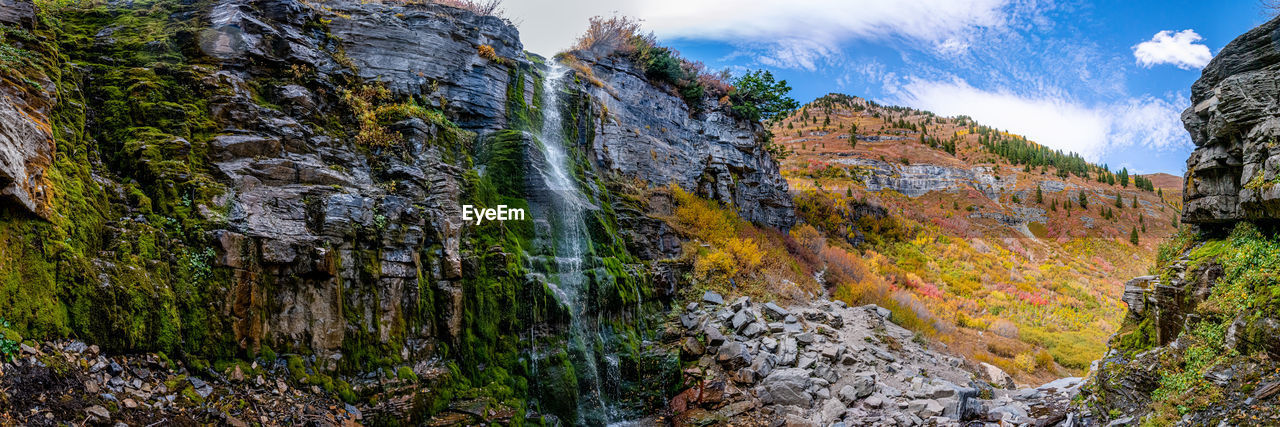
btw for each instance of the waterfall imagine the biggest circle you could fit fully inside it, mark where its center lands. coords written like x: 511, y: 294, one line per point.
x: 565, y: 210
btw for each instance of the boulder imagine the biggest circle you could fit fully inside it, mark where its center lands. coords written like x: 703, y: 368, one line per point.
x: 691, y: 348
x: 775, y: 312
x: 863, y: 384
x: 788, y: 387
x: 733, y: 355
x: 711, y: 297
x: 996, y: 376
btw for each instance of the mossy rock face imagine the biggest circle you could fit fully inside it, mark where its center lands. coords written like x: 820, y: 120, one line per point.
x: 158, y: 241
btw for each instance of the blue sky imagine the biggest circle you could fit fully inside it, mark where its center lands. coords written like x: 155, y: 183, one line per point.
x: 1104, y: 79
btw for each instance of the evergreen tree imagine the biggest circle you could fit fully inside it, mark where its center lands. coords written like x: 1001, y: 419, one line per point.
x: 1119, y: 201
x: 1133, y: 236
x: 1039, y: 195
x: 1135, y: 201
x: 1084, y: 201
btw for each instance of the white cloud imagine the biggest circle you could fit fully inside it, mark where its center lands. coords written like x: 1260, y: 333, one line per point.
x: 1179, y: 49
x: 548, y: 26
x: 1055, y: 121
x: 798, y: 53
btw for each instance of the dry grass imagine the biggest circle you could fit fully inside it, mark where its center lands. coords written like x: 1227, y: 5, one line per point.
x: 478, y: 7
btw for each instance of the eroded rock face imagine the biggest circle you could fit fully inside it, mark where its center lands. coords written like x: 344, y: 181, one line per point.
x: 26, y: 134
x: 315, y: 230
x: 648, y: 133
x: 432, y: 51
x: 918, y: 180
x: 1233, y: 172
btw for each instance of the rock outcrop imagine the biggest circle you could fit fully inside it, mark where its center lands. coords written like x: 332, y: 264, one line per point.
x: 645, y: 131
x: 433, y: 53
x: 1233, y: 172
x: 27, y: 98
x: 918, y: 180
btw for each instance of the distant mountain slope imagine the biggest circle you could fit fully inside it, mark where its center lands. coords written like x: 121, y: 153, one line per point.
x: 1001, y: 258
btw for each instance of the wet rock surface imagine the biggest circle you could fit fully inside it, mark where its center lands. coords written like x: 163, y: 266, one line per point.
x: 830, y: 364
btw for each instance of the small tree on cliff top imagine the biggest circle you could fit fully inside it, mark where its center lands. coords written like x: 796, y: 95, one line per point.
x: 757, y: 96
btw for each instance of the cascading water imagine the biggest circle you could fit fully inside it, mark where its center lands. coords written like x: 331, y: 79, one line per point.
x: 564, y: 212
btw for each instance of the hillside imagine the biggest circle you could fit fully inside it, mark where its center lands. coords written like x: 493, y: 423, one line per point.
x: 991, y: 244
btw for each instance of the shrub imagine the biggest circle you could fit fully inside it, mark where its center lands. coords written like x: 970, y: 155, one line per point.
x: 1004, y: 328
x: 1044, y: 360
x: 485, y: 51
x: 716, y: 266
x: 1002, y: 348
x: 617, y: 34
x: 9, y: 342
x: 478, y: 7
x: 1026, y: 362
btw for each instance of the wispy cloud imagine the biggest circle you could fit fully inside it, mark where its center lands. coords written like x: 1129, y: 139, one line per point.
x: 794, y: 34
x: 1179, y: 49
x: 551, y: 25
x: 1053, y: 120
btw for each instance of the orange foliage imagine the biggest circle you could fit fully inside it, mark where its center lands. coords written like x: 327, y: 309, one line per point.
x: 614, y: 34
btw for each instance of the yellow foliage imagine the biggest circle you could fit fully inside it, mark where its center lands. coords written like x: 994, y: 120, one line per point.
x: 704, y: 219
x: 1025, y: 362
x: 746, y: 254
x: 716, y: 266
x: 485, y: 51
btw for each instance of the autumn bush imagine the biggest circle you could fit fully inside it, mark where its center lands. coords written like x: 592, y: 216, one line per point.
x: 478, y: 7
x: 485, y: 51
x: 733, y: 255
x: 622, y: 35
x: 616, y: 34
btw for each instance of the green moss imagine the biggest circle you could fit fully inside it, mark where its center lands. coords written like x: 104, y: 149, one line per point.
x: 1138, y: 338
x: 405, y: 373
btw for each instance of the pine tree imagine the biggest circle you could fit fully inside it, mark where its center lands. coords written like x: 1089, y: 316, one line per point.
x: 1135, y: 201
x: 1133, y: 236
x: 1119, y: 201
x: 1039, y: 196
x: 1084, y: 201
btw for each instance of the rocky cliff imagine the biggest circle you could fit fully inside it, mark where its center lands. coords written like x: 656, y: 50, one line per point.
x: 241, y: 179
x: 1198, y: 344
x: 646, y: 131
x: 1232, y: 173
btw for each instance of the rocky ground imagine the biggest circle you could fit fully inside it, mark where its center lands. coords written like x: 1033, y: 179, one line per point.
x: 826, y: 363
x: 69, y: 382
